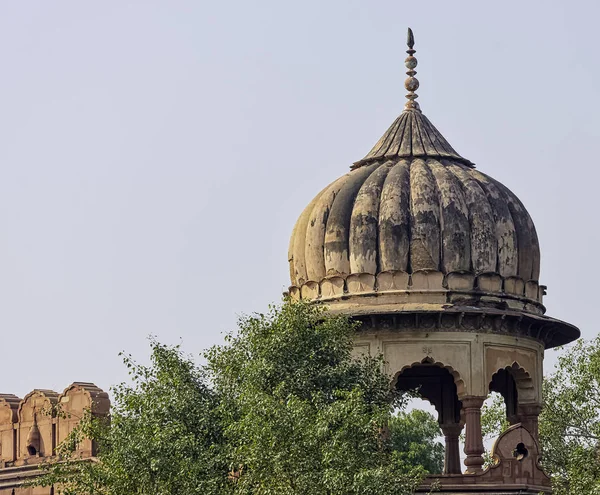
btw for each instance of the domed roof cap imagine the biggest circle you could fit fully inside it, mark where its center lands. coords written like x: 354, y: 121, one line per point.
x: 412, y: 135
x: 414, y: 227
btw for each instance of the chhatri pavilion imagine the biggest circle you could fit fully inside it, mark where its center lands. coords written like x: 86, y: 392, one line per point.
x: 440, y: 263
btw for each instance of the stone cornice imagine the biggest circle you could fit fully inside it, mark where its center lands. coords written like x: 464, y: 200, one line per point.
x: 549, y: 331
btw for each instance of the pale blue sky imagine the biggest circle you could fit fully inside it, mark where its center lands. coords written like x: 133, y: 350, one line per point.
x: 154, y: 155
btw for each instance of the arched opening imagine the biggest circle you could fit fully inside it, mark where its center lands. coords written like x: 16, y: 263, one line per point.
x: 31, y: 450
x: 437, y: 385
x: 503, y: 382
x: 517, y: 389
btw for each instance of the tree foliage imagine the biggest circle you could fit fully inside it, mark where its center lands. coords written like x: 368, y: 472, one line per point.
x: 493, y: 417
x: 165, y: 435
x: 414, y: 436
x: 570, y: 421
x: 281, y: 408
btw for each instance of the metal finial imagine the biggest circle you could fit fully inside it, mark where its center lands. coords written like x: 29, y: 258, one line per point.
x: 411, y: 84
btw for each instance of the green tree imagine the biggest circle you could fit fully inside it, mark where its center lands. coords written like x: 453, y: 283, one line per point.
x: 414, y: 436
x: 304, y: 416
x: 165, y: 435
x: 570, y: 421
x: 281, y: 408
x: 493, y: 417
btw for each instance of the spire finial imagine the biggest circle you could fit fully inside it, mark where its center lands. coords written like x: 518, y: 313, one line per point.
x: 411, y: 84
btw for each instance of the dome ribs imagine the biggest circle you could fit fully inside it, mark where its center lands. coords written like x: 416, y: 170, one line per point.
x: 297, y: 248
x: 506, y: 234
x: 363, y: 223
x: 405, y: 147
x: 399, y: 137
x: 314, y: 237
x: 412, y: 135
x: 454, y: 221
x: 484, y: 245
x: 337, y: 232
x: 414, y: 215
x: 429, y: 141
x: 438, y: 142
x: 417, y: 141
x: 296, y: 256
x: 425, y: 219
x: 394, y: 219
x: 381, y: 147
x: 529, y: 248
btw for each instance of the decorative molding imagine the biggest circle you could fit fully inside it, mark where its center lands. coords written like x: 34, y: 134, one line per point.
x: 489, y: 288
x: 541, y: 329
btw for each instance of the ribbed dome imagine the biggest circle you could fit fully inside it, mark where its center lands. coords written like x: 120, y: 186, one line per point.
x: 414, y: 227
x: 414, y: 214
x: 415, y: 230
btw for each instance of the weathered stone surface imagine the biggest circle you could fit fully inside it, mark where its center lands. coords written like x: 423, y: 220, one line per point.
x: 454, y: 220
x: 425, y: 247
x: 411, y: 215
x: 484, y: 245
x: 337, y: 232
x: 394, y: 219
x: 363, y: 223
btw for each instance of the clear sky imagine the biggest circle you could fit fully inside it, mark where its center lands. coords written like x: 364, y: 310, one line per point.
x: 154, y: 155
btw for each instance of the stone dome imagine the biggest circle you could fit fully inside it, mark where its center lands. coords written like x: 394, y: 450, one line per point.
x: 415, y: 227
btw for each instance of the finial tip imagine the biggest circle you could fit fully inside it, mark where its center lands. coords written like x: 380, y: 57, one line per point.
x: 410, y: 39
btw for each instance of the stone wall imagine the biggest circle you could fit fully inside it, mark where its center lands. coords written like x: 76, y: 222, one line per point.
x: 32, y: 428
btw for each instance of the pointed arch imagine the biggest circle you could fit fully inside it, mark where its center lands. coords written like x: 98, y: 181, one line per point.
x: 523, y: 381
x: 458, y: 381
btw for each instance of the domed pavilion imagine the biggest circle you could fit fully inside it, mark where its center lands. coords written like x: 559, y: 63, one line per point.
x: 441, y: 265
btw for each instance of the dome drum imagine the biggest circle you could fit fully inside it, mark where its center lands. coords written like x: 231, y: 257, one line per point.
x: 456, y: 288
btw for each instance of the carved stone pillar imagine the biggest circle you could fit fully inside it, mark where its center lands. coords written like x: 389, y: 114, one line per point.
x: 473, y: 438
x: 528, y: 416
x: 452, y: 457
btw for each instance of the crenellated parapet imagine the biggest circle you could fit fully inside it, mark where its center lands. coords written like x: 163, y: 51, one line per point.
x: 75, y: 399
x: 33, y: 427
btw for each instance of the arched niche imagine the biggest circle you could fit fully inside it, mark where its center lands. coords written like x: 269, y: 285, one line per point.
x: 523, y: 365
x: 518, y: 389
x: 74, y: 402
x: 36, y: 432
x: 515, y: 384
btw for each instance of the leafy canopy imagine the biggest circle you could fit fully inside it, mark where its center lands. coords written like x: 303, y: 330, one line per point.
x: 281, y: 408
x: 413, y: 435
x: 570, y: 421
x: 165, y: 435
